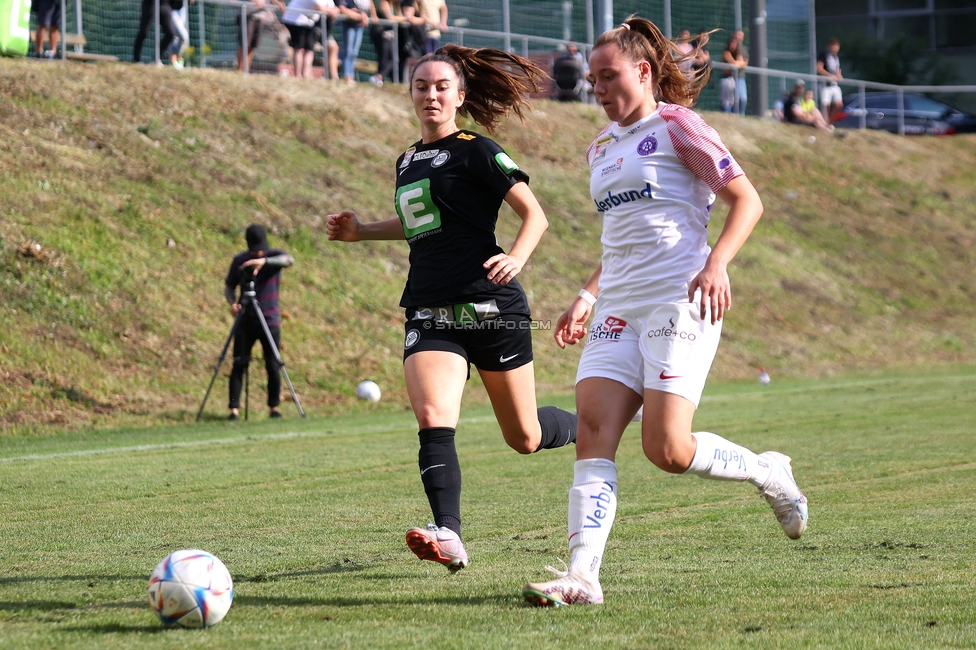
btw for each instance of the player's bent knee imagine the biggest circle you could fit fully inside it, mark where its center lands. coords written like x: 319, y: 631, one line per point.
x: 667, y: 457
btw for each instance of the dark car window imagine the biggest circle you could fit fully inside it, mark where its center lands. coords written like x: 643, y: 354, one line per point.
x: 928, y: 107
x: 888, y: 102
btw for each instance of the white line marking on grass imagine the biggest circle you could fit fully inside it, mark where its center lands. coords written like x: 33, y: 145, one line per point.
x: 270, y: 437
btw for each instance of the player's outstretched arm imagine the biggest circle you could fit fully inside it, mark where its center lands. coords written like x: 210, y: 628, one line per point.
x: 571, y: 324
x: 346, y: 226
x: 745, y: 208
x: 502, y: 268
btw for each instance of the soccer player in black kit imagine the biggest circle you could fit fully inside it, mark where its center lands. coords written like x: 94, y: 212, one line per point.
x: 463, y: 303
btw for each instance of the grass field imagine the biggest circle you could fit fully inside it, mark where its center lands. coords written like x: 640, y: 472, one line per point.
x: 309, y: 517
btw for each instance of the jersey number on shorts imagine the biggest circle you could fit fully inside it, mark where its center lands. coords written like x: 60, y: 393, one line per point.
x: 416, y: 208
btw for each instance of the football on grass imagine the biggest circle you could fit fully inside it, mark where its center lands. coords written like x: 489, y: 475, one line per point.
x: 190, y: 588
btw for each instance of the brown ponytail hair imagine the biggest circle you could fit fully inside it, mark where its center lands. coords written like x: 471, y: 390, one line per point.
x: 641, y: 40
x: 494, y: 81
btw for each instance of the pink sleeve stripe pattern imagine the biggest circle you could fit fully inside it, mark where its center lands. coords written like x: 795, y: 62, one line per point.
x: 599, y: 135
x: 700, y: 148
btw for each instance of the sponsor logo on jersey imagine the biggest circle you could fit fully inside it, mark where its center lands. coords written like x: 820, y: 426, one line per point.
x: 440, y: 159
x: 627, y: 196
x: 647, y: 146
x: 609, y: 330
x: 425, y: 155
x: 466, y: 136
x: 725, y: 162
x: 507, y: 164
x: 612, y: 169
x: 407, y: 157
x: 600, y: 146
x: 671, y: 332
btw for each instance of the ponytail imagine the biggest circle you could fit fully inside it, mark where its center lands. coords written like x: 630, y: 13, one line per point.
x: 641, y: 40
x: 494, y: 82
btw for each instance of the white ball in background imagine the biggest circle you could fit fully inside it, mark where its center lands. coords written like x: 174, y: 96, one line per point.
x: 368, y: 390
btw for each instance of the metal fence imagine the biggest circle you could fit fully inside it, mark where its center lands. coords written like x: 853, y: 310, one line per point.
x: 860, y: 85
x: 216, y: 27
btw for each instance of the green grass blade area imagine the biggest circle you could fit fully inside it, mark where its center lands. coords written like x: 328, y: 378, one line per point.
x: 309, y: 517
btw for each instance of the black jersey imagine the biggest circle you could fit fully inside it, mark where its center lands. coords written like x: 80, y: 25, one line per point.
x: 448, y: 194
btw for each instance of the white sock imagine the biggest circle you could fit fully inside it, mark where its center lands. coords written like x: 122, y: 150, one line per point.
x: 592, y: 506
x: 722, y: 460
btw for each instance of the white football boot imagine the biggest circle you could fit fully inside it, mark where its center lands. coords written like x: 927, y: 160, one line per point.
x: 784, y: 496
x: 567, y: 589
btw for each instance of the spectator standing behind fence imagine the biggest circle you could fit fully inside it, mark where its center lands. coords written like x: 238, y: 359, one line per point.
x: 301, y: 27
x: 382, y: 37
x: 257, y: 14
x: 47, y: 13
x: 733, y: 84
x: 412, y: 34
x: 180, y: 21
x: 828, y: 65
x: 166, y: 8
x: 435, y: 15
x: 684, y: 53
x: 702, y: 59
x: 356, y: 18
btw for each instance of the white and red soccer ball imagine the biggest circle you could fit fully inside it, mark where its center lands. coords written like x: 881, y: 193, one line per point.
x: 191, y: 588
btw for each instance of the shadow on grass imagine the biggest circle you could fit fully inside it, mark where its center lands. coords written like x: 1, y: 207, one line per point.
x: 116, y: 628
x: 19, y: 579
x: 420, y: 599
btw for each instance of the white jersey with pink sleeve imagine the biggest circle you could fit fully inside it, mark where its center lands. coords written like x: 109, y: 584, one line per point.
x: 654, y: 183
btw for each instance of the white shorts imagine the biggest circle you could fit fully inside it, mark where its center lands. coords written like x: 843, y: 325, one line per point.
x: 666, y: 347
x: 830, y: 95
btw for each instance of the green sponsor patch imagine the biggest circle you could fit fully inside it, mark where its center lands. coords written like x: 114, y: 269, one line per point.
x: 416, y: 208
x: 506, y: 163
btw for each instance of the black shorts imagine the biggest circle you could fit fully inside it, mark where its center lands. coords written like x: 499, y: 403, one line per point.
x: 496, y: 344
x: 48, y: 13
x: 254, y: 24
x: 302, y: 38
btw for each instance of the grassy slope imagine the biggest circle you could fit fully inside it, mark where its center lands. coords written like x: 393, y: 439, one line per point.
x: 862, y: 261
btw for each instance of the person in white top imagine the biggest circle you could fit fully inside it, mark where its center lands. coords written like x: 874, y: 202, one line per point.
x: 659, y: 293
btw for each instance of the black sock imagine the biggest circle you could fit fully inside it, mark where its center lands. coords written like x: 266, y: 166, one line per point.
x: 440, y: 471
x: 558, y: 427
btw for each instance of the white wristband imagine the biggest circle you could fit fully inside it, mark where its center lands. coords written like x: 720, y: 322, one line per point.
x: 587, y: 297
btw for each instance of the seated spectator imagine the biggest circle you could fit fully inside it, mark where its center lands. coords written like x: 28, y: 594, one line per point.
x: 794, y: 108
x: 569, y: 72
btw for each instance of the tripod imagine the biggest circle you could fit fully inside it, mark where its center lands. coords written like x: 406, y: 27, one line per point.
x: 249, y: 301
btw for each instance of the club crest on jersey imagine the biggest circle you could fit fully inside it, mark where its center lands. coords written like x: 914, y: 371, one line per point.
x: 440, y: 159
x: 647, y: 146
x: 612, y: 169
x: 627, y: 196
x: 609, y: 330
x: 412, y: 337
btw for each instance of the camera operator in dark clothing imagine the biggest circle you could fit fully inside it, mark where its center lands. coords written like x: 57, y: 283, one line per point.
x: 263, y: 265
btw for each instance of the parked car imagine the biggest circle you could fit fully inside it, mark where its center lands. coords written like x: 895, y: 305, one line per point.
x: 923, y: 115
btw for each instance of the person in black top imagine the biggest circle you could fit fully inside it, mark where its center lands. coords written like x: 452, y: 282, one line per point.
x: 263, y: 264
x: 166, y: 8
x: 463, y: 302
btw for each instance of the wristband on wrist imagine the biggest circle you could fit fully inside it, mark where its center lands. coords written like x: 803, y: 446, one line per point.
x: 587, y: 297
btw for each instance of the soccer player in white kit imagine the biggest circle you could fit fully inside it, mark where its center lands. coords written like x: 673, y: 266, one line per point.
x: 655, y: 172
